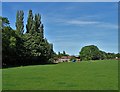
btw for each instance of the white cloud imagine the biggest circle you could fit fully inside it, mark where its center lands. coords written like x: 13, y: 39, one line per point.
x: 108, y: 25
x: 76, y: 22
x: 80, y: 22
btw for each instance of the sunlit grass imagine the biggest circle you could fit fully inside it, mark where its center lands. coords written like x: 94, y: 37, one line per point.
x: 92, y: 75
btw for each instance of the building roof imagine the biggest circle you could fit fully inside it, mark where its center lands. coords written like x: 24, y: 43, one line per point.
x: 66, y: 57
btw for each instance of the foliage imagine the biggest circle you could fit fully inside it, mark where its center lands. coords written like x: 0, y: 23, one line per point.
x: 4, y: 21
x: 20, y: 22
x: 92, y: 52
x: 8, y: 44
x: 110, y: 55
x: 28, y: 48
x: 30, y: 23
x: 62, y: 54
x: 118, y: 55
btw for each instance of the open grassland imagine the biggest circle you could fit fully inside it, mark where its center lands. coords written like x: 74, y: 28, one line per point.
x: 93, y: 75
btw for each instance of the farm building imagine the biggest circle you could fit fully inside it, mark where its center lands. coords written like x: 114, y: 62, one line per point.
x: 67, y: 59
x: 64, y: 59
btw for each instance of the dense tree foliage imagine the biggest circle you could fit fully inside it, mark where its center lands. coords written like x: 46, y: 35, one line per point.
x: 28, y: 48
x: 4, y: 21
x: 11, y: 46
x: 30, y: 23
x: 20, y: 22
x: 59, y: 55
x: 118, y: 55
x: 92, y: 52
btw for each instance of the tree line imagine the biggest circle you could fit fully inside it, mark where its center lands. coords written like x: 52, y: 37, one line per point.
x: 25, y: 48
x: 92, y: 52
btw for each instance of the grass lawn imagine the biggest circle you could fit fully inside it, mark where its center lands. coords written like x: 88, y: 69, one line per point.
x: 94, y: 75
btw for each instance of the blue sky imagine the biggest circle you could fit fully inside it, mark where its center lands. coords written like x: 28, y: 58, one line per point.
x: 70, y: 26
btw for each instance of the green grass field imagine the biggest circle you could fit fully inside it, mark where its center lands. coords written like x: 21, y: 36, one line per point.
x: 94, y: 75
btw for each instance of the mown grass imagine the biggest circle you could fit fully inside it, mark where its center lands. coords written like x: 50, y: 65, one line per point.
x: 94, y: 75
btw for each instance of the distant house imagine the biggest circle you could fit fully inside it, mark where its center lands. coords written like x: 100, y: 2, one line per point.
x: 64, y: 59
x: 67, y: 59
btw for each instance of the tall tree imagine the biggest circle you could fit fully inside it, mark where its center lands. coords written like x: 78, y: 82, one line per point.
x: 64, y: 53
x: 28, y: 48
x: 37, y: 22
x: 19, y: 22
x: 38, y: 25
x: 30, y: 23
x: 42, y: 30
x: 59, y: 53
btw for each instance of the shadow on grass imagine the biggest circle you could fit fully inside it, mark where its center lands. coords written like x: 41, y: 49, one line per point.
x: 13, y: 66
